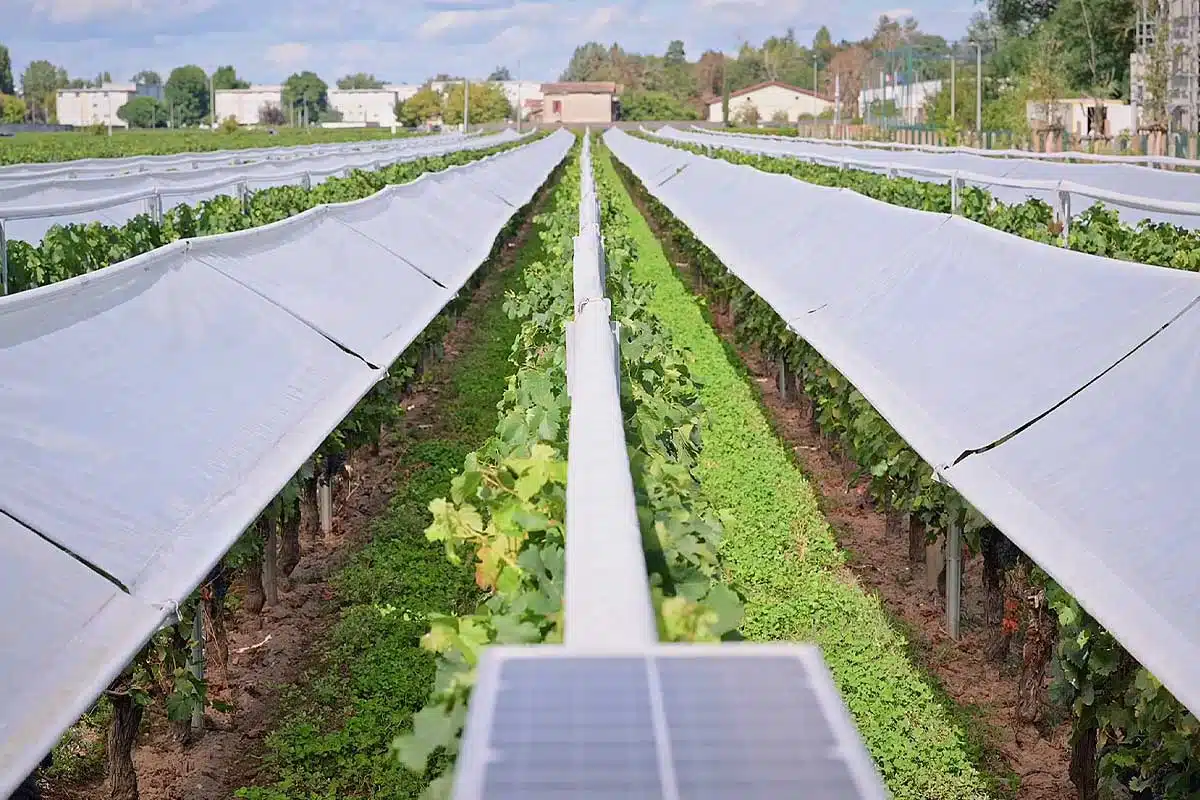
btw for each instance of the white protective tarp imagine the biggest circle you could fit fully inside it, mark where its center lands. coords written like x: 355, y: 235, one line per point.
x: 992, y: 173
x: 28, y: 210
x: 967, y: 335
x: 150, y: 410
x: 98, y: 167
x: 64, y: 634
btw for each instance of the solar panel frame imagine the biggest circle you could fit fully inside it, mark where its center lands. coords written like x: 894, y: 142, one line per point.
x: 478, y: 756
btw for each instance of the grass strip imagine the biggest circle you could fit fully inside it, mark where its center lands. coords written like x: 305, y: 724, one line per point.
x: 781, y: 553
x: 335, y: 740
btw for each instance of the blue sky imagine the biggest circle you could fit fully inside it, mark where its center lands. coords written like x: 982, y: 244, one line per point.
x: 410, y: 40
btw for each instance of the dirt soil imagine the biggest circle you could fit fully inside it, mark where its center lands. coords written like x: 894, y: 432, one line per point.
x: 272, y: 650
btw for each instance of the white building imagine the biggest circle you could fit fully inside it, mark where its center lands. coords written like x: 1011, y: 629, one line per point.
x: 905, y: 100
x: 403, y: 91
x: 524, y: 92
x: 771, y: 99
x: 1084, y: 116
x: 82, y: 107
x: 245, y: 105
x: 365, y: 106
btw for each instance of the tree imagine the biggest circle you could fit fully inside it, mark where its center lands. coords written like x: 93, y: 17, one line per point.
x: 307, y: 93
x: 187, y: 94
x: 489, y: 103
x: 226, y: 78
x: 423, y: 107
x: 500, y: 74
x: 748, y: 115
x: 676, y: 56
x: 147, y: 77
x: 660, y: 106
x: 589, y: 62
x: 359, y: 80
x: 1097, y: 38
x: 12, y: 109
x: 39, y: 84
x: 271, y: 114
x: 6, y: 75
x: 144, y: 112
x: 1021, y: 16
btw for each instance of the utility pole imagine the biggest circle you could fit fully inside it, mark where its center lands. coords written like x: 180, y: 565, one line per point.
x: 466, y: 105
x: 108, y: 94
x: 212, y: 101
x: 518, y: 95
x: 979, y: 92
x: 953, y: 87
x: 837, y: 102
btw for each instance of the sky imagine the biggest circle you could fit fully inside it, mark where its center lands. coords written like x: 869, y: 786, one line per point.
x: 407, y: 41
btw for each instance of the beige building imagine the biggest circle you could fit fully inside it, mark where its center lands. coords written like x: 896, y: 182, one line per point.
x: 244, y: 105
x: 365, y: 106
x: 1085, y: 116
x: 771, y: 100
x: 82, y: 107
x: 591, y: 103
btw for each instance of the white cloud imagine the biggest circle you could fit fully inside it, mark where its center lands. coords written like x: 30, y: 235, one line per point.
x: 288, y: 55
x: 454, y: 22
x: 891, y: 13
x: 75, y: 11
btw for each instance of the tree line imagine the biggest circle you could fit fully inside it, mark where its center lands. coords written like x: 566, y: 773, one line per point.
x: 186, y: 97
x: 1030, y: 49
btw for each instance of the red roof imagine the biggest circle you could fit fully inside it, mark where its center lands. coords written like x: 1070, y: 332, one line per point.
x: 780, y: 84
x: 581, y: 87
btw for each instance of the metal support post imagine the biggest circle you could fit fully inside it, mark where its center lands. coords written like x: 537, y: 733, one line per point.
x: 783, y: 378
x: 197, y: 662
x: 243, y: 196
x: 953, y: 579
x: 306, y: 181
x: 3, y: 259
x: 1064, y: 216
x: 956, y: 188
x: 325, y: 497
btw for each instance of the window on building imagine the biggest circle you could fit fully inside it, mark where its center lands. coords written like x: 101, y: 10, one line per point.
x: 557, y: 107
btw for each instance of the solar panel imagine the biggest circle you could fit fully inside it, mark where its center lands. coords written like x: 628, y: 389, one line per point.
x: 680, y: 722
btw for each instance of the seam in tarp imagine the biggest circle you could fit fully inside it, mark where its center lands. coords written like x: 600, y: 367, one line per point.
x: 93, y: 567
x: 1021, y: 429
x: 286, y: 310
x: 390, y: 250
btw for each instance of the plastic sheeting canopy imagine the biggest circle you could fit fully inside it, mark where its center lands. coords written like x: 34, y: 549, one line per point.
x: 152, y: 409
x: 28, y: 210
x: 1056, y: 390
x: 1126, y: 179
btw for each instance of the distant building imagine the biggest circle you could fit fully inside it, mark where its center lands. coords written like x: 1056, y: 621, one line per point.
x: 771, y: 99
x: 403, y: 91
x: 365, y: 106
x: 99, y: 106
x: 1085, y: 116
x: 905, y: 102
x: 582, y: 103
x: 523, y: 91
x: 245, y: 105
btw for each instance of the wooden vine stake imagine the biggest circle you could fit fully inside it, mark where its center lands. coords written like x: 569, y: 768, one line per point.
x: 325, y: 497
x: 196, y: 662
x: 271, y: 555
